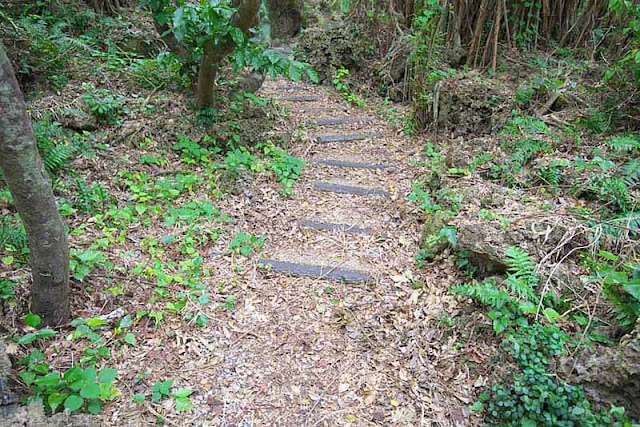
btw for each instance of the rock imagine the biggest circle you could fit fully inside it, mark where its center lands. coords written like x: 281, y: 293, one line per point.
x: 432, y: 242
x: 486, y: 241
x: 609, y: 375
x: 285, y: 17
x: 328, y: 48
x: 33, y: 416
x: 467, y: 104
x: 249, y: 83
x: 79, y: 121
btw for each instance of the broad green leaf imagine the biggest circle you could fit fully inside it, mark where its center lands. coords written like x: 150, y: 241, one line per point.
x: 52, y: 379
x: 94, y: 407
x: 551, y: 314
x: 46, y: 333
x: 528, y: 307
x: 107, y: 375
x: 32, y: 320
x: 55, y: 399
x: 73, y: 402
x: 27, y: 338
x: 183, y: 392
x: 130, y: 339
x: 95, y: 322
x: 183, y: 404
x: 477, y: 406
x: 90, y: 391
x: 633, y: 289
x: 27, y: 377
x: 126, y: 322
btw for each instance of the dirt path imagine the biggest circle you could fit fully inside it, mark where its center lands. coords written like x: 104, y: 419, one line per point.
x: 364, y: 350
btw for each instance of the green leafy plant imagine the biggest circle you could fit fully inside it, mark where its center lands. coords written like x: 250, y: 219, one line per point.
x: 191, y: 152
x: 105, y: 106
x: 162, y: 390
x: 82, y: 263
x: 423, y: 198
x: 536, y: 397
x: 512, y: 300
x: 341, y: 85
x: 13, y: 237
x: 245, y: 244
x: 286, y: 168
x: 57, y: 146
x: 73, y: 390
x: 91, y: 199
x: 241, y: 160
x: 7, y: 290
x: 620, y: 281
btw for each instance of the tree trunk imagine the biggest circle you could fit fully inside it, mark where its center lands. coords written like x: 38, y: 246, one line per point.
x: 29, y: 184
x: 245, y: 17
x: 206, y: 77
x: 107, y: 7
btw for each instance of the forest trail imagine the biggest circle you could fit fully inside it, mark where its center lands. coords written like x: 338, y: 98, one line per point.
x: 360, y: 349
x: 331, y: 323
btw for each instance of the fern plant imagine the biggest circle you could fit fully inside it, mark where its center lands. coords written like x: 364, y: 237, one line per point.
x: 553, y: 173
x: 631, y: 171
x: 623, y: 143
x: 522, y: 279
x: 56, y: 148
x: 526, y: 149
x: 515, y: 298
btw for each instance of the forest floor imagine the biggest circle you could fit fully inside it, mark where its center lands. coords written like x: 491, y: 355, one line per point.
x: 295, y: 350
x: 256, y: 347
x: 183, y: 227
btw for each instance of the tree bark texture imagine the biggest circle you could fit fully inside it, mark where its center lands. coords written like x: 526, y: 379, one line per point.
x: 30, y: 186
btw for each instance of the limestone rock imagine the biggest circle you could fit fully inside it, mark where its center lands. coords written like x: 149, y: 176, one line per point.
x: 610, y: 375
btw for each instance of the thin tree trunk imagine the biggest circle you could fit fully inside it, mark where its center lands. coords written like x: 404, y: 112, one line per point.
x: 245, y: 17
x: 30, y: 187
x: 206, y: 77
x: 496, y: 34
x: 477, y: 34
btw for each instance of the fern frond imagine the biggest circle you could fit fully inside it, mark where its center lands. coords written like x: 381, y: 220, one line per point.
x: 485, y: 293
x: 618, y: 227
x: 553, y: 173
x: 623, y: 144
x: 615, y: 190
x: 631, y: 171
x: 522, y: 277
x: 57, y: 156
x: 527, y: 148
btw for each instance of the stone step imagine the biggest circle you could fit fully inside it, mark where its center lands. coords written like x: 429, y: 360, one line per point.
x: 342, y: 164
x: 335, y: 227
x: 316, y: 271
x: 293, y: 87
x: 297, y: 98
x: 346, y: 137
x: 312, y: 109
x: 333, y: 121
x: 347, y: 189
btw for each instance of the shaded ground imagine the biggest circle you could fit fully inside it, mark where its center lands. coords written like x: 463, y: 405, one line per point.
x: 276, y: 350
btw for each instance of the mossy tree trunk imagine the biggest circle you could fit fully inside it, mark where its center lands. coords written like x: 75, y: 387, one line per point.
x: 30, y: 187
